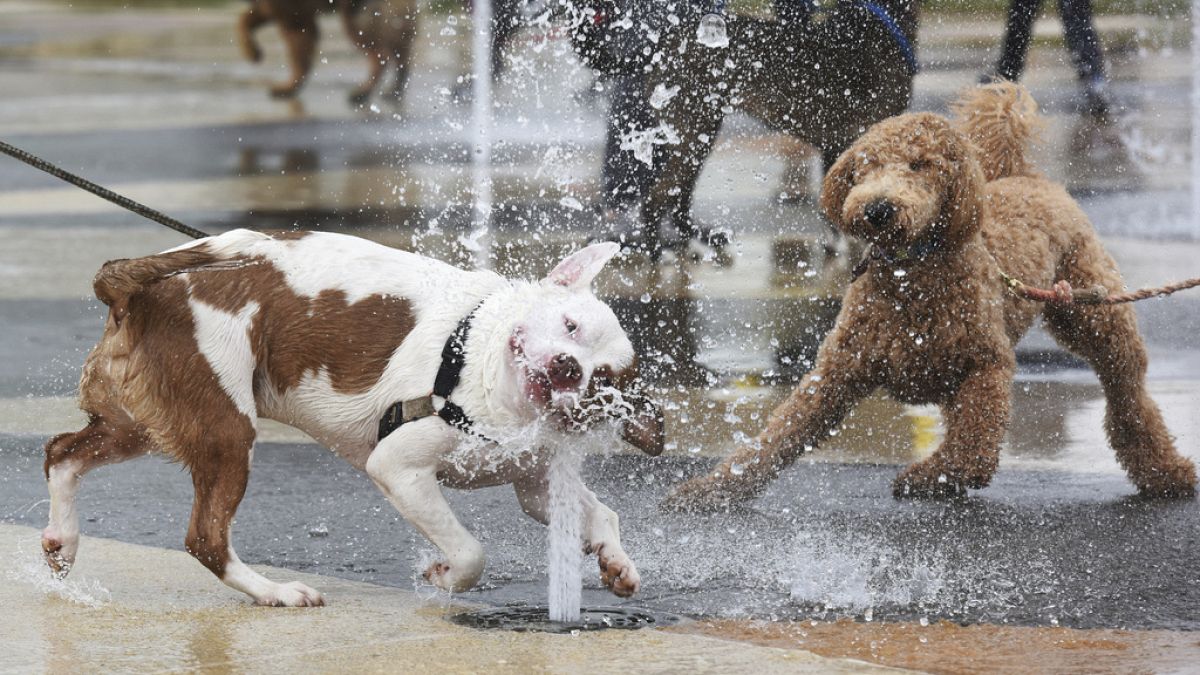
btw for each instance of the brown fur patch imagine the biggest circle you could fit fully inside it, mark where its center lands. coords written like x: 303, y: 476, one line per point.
x: 293, y: 336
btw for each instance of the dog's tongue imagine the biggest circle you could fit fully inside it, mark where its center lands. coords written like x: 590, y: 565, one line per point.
x: 538, y: 388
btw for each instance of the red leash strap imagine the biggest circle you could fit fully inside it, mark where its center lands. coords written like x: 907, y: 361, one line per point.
x: 1063, y: 294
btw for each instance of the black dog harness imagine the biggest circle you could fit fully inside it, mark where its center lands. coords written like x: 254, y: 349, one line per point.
x: 454, y: 356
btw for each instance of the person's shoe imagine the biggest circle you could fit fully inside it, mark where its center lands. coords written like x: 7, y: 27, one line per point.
x: 1096, y: 100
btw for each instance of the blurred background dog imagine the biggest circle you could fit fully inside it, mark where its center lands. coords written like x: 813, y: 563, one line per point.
x: 383, y: 29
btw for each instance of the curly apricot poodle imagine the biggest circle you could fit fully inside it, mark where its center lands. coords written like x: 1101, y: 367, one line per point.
x: 946, y: 205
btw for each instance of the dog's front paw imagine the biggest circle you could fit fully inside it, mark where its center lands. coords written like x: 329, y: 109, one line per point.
x: 706, y: 494
x: 617, y: 573
x: 448, y: 577
x: 292, y: 594
x: 925, y: 480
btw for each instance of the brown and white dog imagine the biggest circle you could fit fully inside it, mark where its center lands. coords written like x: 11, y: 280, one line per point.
x: 326, y: 333
x: 383, y: 29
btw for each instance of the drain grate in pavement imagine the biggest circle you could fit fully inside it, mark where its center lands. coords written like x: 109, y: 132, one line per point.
x: 536, y: 619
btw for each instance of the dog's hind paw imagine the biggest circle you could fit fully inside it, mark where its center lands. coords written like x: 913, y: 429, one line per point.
x: 59, y: 557
x: 1175, y: 480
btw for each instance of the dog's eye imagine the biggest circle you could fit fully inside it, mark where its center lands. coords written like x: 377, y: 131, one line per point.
x: 918, y: 165
x: 571, y: 326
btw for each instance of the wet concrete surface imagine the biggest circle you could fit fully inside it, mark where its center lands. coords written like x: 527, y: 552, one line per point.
x: 136, y: 609
x: 1037, y: 548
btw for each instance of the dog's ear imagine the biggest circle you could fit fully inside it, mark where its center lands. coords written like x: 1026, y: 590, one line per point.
x: 577, y: 270
x: 961, y: 205
x: 836, y: 187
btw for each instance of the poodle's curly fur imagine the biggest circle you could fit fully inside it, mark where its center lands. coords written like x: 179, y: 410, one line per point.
x: 948, y: 205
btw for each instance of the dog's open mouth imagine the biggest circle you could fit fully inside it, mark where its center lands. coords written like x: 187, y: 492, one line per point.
x: 538, y: 388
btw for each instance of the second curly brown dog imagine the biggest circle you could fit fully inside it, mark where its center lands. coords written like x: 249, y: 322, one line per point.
x: 946, y: 206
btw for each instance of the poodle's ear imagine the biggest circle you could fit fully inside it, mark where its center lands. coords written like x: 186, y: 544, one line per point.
x: 962, y: 208
x: 836, y: 187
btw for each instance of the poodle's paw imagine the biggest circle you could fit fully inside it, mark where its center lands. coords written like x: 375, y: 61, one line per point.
x: 1177, y: 479
x: 617, y: 573
x: 924, y: 480
x: 59, y: 552
x: 705, y: 494
x: 292, y: 594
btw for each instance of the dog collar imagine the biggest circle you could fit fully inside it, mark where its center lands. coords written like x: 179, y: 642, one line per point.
x: 454, y: 358
x: 910, y: 253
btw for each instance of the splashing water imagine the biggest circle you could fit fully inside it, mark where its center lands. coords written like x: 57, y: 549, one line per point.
x: 858, y: 578
x: 566, y: 520
x: 29, y: 569
x: 641, y: 143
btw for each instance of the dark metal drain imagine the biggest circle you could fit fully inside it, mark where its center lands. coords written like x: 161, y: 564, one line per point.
x: 536, y: 619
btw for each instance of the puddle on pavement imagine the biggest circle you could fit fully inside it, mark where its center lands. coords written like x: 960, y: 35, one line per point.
x: 944, y: 647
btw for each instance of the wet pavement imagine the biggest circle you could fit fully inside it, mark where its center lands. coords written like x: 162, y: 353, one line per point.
x: 156, y: 105
x: 137, y: 609
x: 1037, y: 548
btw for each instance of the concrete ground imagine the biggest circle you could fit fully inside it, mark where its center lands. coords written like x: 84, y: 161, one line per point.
x: 1057, y: 557
x: 133, y: 608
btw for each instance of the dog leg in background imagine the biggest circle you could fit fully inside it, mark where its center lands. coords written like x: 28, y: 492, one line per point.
x: 601, y: 531
x: 300, y: 37
x: 376, y: 63
x: 797, y: 425
x: 975, y: 422
x: 248, y: 23
x: 401, y: 45
x: 1106, y: 336
x: 68, y: 458
x: 404, y: 466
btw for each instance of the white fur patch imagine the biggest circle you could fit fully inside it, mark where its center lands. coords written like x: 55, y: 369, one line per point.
x: 224, y: 340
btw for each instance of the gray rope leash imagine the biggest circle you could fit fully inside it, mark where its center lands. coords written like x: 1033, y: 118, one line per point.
x: 104, y: 193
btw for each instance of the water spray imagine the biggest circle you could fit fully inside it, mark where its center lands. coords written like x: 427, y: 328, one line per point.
x: 712, y: 32
x: 481, y: 123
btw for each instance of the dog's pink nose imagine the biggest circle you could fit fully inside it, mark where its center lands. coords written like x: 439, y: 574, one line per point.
x: 565, y: 372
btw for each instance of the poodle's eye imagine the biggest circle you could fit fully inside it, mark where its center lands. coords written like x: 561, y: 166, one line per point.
x: 918, y: 165
x: 571, y: 326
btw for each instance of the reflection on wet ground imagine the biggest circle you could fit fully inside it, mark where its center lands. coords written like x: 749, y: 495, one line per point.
x: 945, y: 647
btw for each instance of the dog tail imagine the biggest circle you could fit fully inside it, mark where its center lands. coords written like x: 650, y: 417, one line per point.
x: 1002, y: 120
x: 119, y: 279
